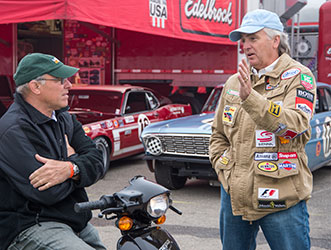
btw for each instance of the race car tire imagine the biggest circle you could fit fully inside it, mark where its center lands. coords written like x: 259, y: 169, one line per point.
x: 103, y: 145
x: 165, y: 176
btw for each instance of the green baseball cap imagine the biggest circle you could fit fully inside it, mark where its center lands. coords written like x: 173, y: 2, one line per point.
x: 37, y: 64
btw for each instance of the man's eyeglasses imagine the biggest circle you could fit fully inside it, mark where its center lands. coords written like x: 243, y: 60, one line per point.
x: 62, y: 80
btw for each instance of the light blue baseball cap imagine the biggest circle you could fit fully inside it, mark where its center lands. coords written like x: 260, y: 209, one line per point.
x: 255, y: 21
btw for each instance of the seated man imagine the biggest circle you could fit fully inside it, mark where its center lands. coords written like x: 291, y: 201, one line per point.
x: 46, y: 161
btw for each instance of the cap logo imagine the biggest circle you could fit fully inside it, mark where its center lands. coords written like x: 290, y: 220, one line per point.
x: 54, y: 59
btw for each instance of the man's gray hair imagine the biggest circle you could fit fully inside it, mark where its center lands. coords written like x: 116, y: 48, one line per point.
x: 24, y: 89
x: 284, y: 46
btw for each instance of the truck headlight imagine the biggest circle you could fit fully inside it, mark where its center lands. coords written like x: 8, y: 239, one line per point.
x: 153, y: 145
x: 158, y: 205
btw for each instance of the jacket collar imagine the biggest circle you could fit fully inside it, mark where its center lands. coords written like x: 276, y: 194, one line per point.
x: 35, y: 115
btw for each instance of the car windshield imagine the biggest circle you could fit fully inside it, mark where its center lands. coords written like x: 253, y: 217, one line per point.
x: 105, y: 102
x: 212, y: 101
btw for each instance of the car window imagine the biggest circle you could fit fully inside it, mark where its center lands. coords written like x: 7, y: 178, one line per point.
x: 152, y: 101
x: 212, y: 101
x: 136, y: 102
x: 106, y: 102
x: 327, y: 99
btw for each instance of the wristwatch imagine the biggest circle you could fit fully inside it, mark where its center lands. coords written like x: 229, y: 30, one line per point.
x: 76, y: 169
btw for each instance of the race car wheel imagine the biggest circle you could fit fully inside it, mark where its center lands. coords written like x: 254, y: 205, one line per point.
x: 165, y: 175
x: 103, y: 145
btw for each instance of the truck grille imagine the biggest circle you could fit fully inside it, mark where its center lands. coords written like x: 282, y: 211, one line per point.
x: 190, y: 145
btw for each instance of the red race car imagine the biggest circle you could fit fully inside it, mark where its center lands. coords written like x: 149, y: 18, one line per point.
x: 114, y: 116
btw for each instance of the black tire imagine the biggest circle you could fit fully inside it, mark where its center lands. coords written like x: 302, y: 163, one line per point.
x: 164, y: 175
x: 103, y: 145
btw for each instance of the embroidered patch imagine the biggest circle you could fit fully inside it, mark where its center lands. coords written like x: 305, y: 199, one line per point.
x: 283, y: 140
x: 274, y: 109
x: 287, y: 155
x: 305, y: 95
x: 270, y: 87
x: 224, y: 160
x: 228, y: 113
x: 233, y: 92
x: 271, y: 204
x: 55, y: 60
x: 281, y: 127
x: 264, y: 139
x: 289, y: 73
x: 289, y: 134
x: 266, y: 156
x: 267, y: 166
x: 304, y: 101
x: 307, y: 81
x: 287, y: 165
x: 268, y: 193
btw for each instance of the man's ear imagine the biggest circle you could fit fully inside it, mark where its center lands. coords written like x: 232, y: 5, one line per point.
x: 34, y: 87
x: 276, y: 41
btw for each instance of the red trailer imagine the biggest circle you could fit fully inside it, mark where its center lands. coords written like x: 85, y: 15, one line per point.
x: 324, y: 44
x: 181, y: 48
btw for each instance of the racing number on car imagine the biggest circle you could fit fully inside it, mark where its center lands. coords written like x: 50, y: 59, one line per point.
x: 143, y: 122
x: 327, y: 136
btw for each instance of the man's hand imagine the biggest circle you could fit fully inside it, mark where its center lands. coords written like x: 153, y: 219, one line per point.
x: 53, y: 172
x: 70, y: 149
x: 245, y: 87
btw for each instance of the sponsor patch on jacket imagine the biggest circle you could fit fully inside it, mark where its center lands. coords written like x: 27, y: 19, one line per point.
x: 287, y: 155
x: 271, y: 204
x: 274, y: 109
x: 228, y: 113
x: 224, y: 160
x: 304, y: 94
x: 305, y: 108
x: 265, y: 139
x: 281, y: 127
x: 283, y: 140
x: 289, y: 73
x: 268, y: 193
x: 289, y: 134
x: 287, y: 165
x: 267, y: 166
x: 307, y: 81
x: 233, y: 92
x: 266, y: 156
x: 270, y: 87
x: 304, y: 101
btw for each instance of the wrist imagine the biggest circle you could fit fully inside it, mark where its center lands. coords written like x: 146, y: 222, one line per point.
x: 74, y: 170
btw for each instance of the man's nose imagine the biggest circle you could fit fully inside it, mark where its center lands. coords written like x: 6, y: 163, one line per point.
x: 67, y: 84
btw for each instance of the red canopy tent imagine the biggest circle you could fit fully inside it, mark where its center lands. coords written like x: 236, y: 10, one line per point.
x: 198, y: 20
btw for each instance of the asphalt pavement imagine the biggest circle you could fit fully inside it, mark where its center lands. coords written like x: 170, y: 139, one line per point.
x: 197, y: 228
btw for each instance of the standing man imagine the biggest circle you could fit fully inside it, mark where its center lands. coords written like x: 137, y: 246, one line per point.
x: 258, y: 141
x: 46, y: 161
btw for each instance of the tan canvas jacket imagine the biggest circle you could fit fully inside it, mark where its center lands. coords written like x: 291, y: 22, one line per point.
x: 257, y: 146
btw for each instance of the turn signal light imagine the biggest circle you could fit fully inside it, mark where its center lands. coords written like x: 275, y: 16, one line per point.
x: 125, y: 223
x: 161, y: 220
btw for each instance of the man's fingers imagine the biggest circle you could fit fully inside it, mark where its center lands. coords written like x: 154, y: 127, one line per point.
x: 40, y: 158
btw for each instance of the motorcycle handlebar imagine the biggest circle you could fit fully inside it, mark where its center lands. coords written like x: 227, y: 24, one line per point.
x: 104, y: 202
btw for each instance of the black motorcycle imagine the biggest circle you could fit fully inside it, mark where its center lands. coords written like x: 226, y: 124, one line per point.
x: 135, y: 209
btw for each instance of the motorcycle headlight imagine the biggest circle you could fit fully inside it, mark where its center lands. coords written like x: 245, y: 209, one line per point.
x: 158, y: 205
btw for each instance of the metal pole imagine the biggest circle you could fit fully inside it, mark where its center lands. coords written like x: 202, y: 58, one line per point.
x: 298, y: 36
x: 113, y: 51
